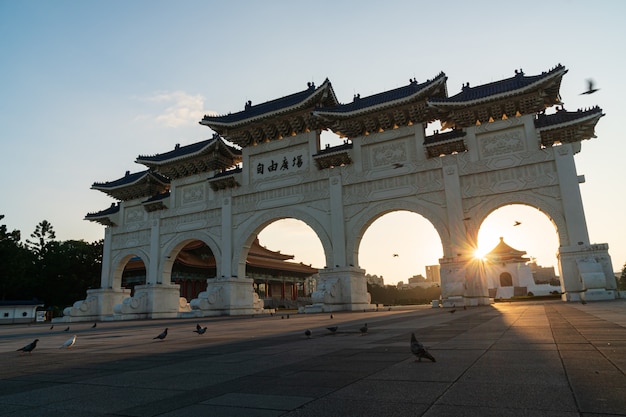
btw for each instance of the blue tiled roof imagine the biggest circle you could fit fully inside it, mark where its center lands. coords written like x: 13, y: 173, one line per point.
x: 517, y: 82
x: 157, y: 197
x: 106, y: 212
x: 227, y: 173
x: 252, y: 111
x: 181, y: 151
x: 562, y: 116
x: 443, y: 137
x: 131, y: 179
x: 331, y: 149
x: 400, y: 93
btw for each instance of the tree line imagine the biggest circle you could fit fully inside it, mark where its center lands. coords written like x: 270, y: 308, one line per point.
x: 53, y: 272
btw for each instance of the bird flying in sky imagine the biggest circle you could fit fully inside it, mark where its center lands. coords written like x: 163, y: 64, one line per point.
x: 517, y: 223
x: 590, y: 87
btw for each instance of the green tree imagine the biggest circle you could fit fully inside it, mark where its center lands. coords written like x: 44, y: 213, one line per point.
x: 43, y: 239
x: 67, y: 270
x: 16, y: 265
x: 621, y: 283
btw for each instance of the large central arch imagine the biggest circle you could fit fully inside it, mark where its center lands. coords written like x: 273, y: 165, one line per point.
x: 503, y: 143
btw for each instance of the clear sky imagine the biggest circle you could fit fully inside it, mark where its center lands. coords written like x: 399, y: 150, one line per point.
x: 87, y: 86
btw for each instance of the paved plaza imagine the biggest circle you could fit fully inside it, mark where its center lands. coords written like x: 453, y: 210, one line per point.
x: 509, y: 359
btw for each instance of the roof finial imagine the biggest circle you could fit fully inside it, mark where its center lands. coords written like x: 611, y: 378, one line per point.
x: 248, y: 104
x: 357, y: 97
x: 127, y: 173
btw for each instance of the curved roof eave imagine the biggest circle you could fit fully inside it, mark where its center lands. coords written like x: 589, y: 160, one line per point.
x: 582, y: 119
x: 437, y: 82
x: 107, y: 186
x: 550, y: 76
x: 325, y: 88
x: 217, y: 142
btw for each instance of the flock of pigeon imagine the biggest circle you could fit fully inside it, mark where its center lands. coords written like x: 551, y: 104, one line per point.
x: 416, y: 347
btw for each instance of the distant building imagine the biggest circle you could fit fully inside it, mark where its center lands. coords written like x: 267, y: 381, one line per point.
x: 19, y: 311
x: 375, y: 280
x: 276, y: 277
x: 509, y: 274
x: 433, y: 273
x: 416, y: 281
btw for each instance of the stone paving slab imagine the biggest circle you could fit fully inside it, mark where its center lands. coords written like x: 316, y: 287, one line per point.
x: 509, y: 359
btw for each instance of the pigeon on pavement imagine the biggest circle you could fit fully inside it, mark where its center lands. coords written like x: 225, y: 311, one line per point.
x: 333, y: 329
x: 199, y: 329
x: 69, y: 342
x: 419, y: 350
x: 308, y: 333
x: 29, y: 347
x: 363, y: 329
x: 161, y: 336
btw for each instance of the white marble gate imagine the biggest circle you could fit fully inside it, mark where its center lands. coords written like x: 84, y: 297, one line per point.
x: 504, y: 148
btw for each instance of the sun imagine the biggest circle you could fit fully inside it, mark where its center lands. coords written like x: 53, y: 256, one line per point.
x: 480, y: 252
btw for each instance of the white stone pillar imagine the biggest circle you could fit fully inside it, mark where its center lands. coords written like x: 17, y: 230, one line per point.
x: 570, y: 195
x: 337, y: 222
x: 227, y: 240
x: 153, y: 276
x: 106, y: 276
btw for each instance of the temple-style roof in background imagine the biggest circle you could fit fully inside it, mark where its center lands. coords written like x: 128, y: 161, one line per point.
x: 446, y: 143
x: 207, y: 155
x: 106, y: 217
x: 333, y: 156
x: 198, y: 255
x: 137, y: 185
x: 502, y: 99
x: 276, y: 119
x: 567, y: 127
x: 504, y: 253
x: 387, y: 110
x: 156, y: 202
x: 224, y: 180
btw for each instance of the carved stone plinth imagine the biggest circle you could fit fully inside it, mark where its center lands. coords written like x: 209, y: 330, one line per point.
x: 227, y: 296
x: 463, y: 282
x: 340, y: 289
x: 586, y: 273
x: 98, y: 305
x: 152, y: 302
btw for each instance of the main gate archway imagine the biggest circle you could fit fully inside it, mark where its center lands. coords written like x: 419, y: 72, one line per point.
x: 502, y: 143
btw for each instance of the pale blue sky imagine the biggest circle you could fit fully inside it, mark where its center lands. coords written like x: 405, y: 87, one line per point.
x: 87, y: 86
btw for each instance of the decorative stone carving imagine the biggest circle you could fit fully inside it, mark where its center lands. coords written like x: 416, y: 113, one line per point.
x: 388, y: 153
x: 192, y: 194
x: 501, y: 143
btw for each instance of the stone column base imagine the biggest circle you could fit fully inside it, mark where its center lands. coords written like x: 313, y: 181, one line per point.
x: 152, y: 302
x: 98, y: 305
x: 226, y: 297
x: 340, y: 289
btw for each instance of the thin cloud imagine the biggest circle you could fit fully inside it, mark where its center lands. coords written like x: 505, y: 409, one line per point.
x: 175, y: 108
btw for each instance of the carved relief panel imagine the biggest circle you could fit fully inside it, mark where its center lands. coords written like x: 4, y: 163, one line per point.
x: 502, y: 143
